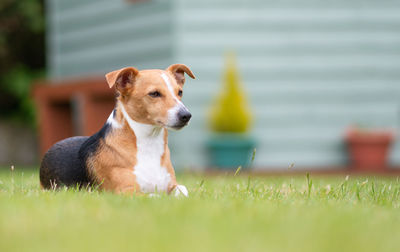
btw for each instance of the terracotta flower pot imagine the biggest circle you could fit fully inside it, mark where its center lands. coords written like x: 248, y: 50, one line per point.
x: 369, y: 149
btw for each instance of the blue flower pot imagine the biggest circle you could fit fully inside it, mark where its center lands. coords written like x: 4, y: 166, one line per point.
x: 228, y: 151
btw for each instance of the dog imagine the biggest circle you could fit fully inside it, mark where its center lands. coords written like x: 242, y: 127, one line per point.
x: 130, y: 153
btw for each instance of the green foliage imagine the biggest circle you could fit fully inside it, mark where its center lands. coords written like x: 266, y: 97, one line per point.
x: 223, y: 213
x: 230, y: 112
x: 18, y: 85
x: 22, y: 56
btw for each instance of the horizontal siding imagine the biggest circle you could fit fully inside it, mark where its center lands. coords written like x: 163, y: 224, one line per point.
x: 298, y: 4
x: 310, y: 69
x: 69, y: 5
x: 91, y: 37
x: 275, y: 93
x: 337, y: 115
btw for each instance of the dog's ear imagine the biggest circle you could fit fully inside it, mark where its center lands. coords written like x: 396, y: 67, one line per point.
x: 178, y: 71
x: 123, y: 79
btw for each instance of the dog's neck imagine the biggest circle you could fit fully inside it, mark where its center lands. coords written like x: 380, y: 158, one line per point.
x: 141, y: 130
x: 150, y: 146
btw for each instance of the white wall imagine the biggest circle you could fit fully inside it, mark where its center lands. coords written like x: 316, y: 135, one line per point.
x: 310, y: 68
x: 98, y: 36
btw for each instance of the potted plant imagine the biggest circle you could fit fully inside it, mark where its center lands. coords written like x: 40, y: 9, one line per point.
x: 369, y: 148
x: 230, y: 145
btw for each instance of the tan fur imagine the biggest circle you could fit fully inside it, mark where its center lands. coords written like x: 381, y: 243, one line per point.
x: 143, y: 108
x: 113, y: 76
x: 178, y: 70
x: 112, y: 166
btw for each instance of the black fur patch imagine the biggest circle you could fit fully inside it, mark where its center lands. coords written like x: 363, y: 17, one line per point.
x: 90, y: 146
x: 61, y: 164
x: 65, y: 163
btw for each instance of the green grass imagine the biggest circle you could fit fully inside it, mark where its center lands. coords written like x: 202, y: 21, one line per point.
x: 223, y: 213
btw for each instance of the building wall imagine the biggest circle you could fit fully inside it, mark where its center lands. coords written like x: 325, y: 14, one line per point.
x: 97, y: 36
x: 310, y: 68
x: 18, y: 145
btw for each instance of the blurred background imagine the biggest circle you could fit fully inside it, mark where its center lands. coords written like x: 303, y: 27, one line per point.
x: 310, y: 84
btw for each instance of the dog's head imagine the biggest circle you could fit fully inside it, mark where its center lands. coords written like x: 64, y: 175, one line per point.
x: 153, y: 96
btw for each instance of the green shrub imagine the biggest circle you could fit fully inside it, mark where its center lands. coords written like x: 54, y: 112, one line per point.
x: 22, y: 57
x: 230, y: 112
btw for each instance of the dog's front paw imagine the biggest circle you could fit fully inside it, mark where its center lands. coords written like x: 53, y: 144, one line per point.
x: 181, y: 190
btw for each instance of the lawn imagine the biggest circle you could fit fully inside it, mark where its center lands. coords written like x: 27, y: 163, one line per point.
x: 223, y: 213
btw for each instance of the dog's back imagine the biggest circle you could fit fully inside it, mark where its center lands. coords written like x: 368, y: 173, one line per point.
x: 62, y: 165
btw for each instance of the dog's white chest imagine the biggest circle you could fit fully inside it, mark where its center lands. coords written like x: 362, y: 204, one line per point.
x: 150, y: 175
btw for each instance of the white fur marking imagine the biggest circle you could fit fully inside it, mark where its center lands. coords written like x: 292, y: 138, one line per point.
x: 173, y: 115
x: 181, y: 190
x: 114, y: 123
x: 169, y: 86
x: 173, y: 112
x: 150, y: 175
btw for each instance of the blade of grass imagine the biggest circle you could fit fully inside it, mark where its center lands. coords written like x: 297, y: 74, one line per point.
x: 237, y: 170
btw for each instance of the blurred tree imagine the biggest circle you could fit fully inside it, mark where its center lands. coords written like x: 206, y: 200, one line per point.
x: 22, y: 56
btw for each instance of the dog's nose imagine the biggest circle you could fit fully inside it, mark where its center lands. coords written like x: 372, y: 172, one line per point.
x: 184, y: 116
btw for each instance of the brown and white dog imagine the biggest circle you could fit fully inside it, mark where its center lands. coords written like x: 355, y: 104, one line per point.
x: 130, y: 153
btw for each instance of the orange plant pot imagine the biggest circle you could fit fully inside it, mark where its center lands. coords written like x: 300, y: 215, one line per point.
x: 369, y: 149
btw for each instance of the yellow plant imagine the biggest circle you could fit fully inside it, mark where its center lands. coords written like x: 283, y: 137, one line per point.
x: 230, y: 112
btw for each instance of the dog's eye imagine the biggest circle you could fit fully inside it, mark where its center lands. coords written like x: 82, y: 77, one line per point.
x: 180, y: 93
x: 155, y: 94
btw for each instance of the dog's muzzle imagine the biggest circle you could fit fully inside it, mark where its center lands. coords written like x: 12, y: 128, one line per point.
x: 180, y: 118
x: 184, y: 116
